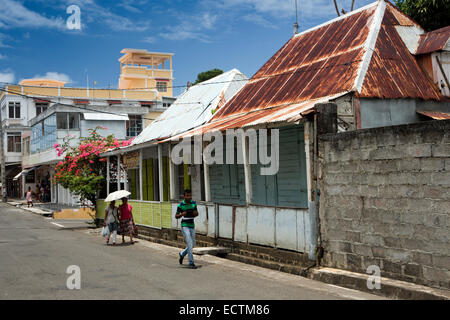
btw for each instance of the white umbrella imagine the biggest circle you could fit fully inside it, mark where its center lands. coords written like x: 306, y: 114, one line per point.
x: 117, y: 195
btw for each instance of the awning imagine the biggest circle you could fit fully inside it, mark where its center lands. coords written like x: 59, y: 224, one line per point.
x: 437, y: 115
x: 23, y: 172
x: 104, y: 116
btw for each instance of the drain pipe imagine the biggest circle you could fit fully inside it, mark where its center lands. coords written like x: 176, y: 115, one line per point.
x: 315, y: 191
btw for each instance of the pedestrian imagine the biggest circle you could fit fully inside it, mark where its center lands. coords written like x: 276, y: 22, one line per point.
x: 187, y: 210
x: 126, y: 220
x: 112, y: 221
x: 29, y: 197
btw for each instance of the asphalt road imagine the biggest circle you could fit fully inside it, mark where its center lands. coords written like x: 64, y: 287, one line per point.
x: 35, y: 254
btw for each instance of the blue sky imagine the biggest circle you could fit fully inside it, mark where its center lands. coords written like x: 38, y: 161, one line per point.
x: 203, y: 34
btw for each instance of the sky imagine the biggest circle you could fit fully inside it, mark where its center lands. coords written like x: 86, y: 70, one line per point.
x: 35, y: 41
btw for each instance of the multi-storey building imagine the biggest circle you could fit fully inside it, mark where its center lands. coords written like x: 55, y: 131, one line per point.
x: 37, y: 113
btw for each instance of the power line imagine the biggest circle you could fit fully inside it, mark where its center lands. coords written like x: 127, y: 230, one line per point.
x: 284, y: 73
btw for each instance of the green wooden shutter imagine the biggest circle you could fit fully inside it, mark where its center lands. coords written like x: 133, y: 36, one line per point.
x: 150, y: 183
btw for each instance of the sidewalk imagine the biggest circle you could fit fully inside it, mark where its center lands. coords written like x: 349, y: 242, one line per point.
x: 42, y: 208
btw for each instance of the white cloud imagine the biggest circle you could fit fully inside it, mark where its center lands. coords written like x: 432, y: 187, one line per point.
x: 259, y: 20
x: 191, y: 27
x: 178, y: 34
x: 7, y: 76
x: 150, y: 39
x: 13, y: 14
x: 54, y: 76
x: 282, y: 8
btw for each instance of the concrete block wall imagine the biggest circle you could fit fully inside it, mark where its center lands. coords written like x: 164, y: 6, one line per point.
x: 385, y: 201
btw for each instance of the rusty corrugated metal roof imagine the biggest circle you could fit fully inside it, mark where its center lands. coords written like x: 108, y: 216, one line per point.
x: 311, y: 65
x: 436, y: 115
x: 393, y: 71
x: 433, y: 41
x: 359, y: 52
x: 280, y: 114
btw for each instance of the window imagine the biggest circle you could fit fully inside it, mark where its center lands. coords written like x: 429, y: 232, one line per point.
x: 41, y: 107
x: 67, y: 120
x: 26, y: 146
x: 61, y: 121
x: 134, y: 125
x: 161, y: 86
x: 14, y: 142
x: 74, y: 120
x: 14, y: 110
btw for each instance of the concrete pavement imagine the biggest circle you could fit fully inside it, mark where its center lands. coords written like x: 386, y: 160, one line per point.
x: 36, y: 253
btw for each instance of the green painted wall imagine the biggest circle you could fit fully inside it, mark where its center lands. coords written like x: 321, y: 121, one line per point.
x: 150, y: 214
x: 289, y: 186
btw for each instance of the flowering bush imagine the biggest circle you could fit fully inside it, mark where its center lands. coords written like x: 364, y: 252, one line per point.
x: 81, y: 171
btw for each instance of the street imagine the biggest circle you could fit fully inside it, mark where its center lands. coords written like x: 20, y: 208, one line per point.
x: 35, y: 254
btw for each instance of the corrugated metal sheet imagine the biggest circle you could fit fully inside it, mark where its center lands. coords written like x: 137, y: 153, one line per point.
x: 436, y: 115
x: 279, y: 114
x: 393, y: 71
x: 433, y: 41
x: 193, y: 107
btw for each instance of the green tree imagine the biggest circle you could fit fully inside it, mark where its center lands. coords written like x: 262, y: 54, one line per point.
x: 81, y: 171
x: 203, y: 76
x: 430, y: 14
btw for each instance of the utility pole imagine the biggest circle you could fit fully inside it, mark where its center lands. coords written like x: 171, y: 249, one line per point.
x: 296, y: 20
x: 2, y: 159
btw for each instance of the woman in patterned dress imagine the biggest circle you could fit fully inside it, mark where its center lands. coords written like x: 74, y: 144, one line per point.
x: 126, y: 220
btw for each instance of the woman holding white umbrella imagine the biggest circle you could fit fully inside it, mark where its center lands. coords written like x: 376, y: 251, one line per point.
x: 126, y: 220
x: 112, y: 221
x: 126, y: 224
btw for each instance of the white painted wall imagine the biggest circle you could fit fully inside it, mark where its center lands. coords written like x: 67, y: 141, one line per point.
x: 284, y: 228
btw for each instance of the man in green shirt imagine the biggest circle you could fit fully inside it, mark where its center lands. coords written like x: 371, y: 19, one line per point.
x: 187, y: 210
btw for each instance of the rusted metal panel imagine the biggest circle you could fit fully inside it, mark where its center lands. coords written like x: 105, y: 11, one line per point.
x: 433, y: 41
x: 436, y: 115
x: 393, y: 71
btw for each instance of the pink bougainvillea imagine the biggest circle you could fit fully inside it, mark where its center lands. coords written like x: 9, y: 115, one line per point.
x: 82, y: 167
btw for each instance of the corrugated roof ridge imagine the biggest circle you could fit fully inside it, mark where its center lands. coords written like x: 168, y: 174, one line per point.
x: 340, y: 18
x: 370, y: 45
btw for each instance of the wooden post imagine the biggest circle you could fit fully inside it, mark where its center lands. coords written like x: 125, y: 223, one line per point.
x: 206, y: 177
x: 108, y: 179
x: 141, y: 196
x: 172, y: 183
x: 160, y: 174
x: 118, y: 172
x: 247, y: 170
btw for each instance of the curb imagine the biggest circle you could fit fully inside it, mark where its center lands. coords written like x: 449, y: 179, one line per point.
x: 35, y: 211
x: 390, y: 288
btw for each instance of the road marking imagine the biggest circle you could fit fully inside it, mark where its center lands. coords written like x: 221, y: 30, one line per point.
x: 49, y: 218
x: 57, y: 224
